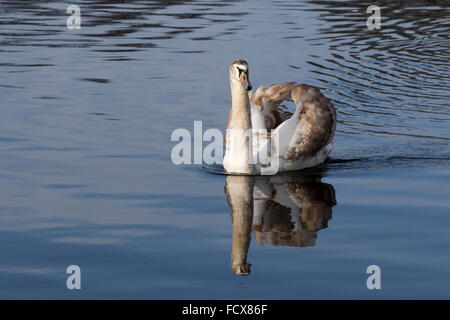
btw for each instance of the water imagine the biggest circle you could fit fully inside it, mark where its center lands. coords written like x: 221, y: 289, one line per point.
x: 86, y: 178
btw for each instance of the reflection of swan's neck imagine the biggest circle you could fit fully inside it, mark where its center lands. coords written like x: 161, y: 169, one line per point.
x: 240, y: 198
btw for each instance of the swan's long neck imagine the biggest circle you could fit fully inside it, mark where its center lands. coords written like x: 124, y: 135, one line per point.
x: 241, y: 117
x: 238, y: 153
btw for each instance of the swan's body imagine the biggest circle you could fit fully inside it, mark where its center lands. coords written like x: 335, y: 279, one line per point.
x: 260, y: 140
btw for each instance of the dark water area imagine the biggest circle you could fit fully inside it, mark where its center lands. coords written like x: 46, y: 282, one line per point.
x: 86, y: 178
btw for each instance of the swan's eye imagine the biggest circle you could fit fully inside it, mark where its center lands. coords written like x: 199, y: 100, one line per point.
x: 241, y: 70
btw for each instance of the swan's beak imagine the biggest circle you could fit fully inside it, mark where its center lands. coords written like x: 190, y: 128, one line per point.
x: 245, y: 82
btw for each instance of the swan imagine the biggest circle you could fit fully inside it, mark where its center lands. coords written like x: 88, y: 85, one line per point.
x: 260, y: 140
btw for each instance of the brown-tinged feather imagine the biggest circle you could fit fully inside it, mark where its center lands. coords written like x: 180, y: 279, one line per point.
x: 318, y: 115
x: 268, y: 100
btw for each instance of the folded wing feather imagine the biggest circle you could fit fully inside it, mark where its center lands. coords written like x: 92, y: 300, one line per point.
x: 268, y: 100
x: 316, y: 121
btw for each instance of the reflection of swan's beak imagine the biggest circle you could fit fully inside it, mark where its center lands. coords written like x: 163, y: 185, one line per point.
x: 242, y: 269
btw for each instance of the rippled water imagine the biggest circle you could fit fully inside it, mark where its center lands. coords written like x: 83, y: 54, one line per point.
x: 86, y: 178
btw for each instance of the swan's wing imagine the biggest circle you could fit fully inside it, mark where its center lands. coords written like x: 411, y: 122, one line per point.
x: 266, y: 101
x: 284, y: 112
x: 316, y: 124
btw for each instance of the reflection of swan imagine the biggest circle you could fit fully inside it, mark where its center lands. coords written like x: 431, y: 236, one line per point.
x: 285, y: 210
x: 258, y: 141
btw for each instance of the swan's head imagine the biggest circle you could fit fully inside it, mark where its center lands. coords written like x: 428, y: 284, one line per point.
x: 239, y: 73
